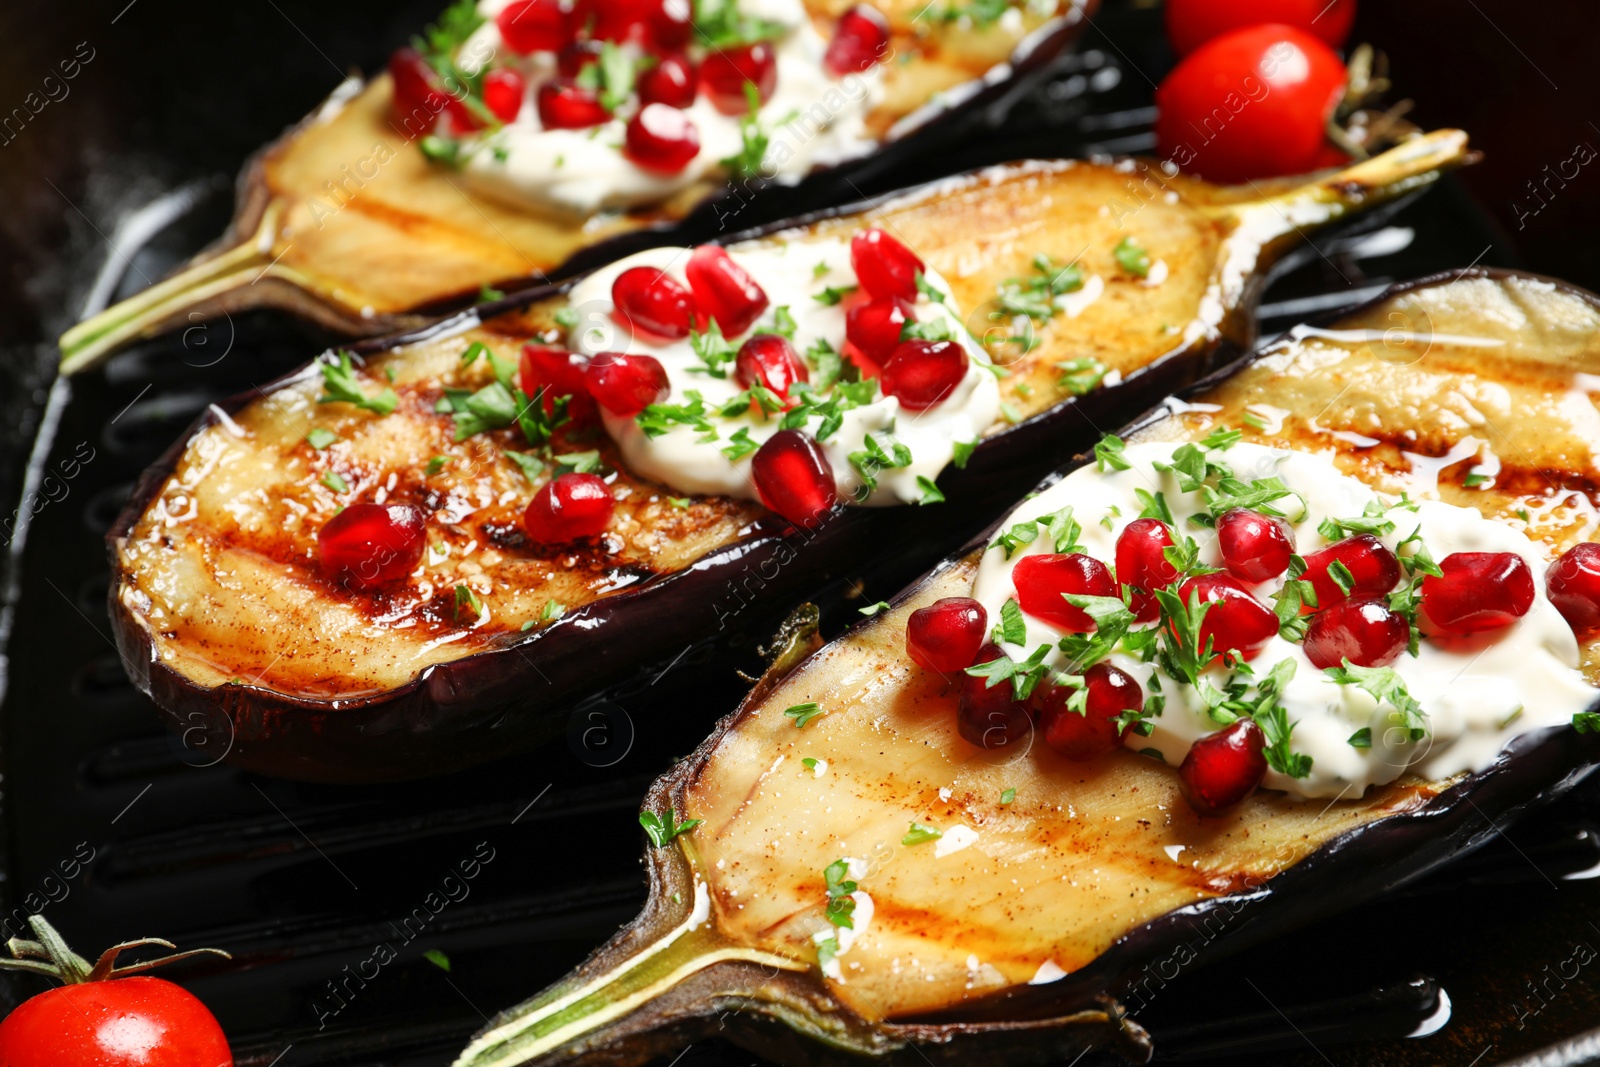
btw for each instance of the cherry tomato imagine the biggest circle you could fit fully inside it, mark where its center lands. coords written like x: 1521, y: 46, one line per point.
x: 123, y: 1022
x: 1253, y: 103
x: 1191, y: 23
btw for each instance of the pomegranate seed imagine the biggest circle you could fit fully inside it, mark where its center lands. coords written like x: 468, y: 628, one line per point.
x: 1142, y: 565
x: 653, y: 301
x: 945, y: 636
x: 990, y: 716
x: 571, y: 60
x: 859, y: 42
x: 503, y: 91
x: 1573, y: 585
x: 1085, y: 737
x: 874, y: 327
x: 1373, y: 569
x: 1223, y: 768
x: 624, y: 384
x: 368, y: 545
x: 671, y: 25
x: 769, y: 360
x: 661, y: 138
x: 419, y: 96
x: 1365, y: 632
x: 1478, y: 591
x: 556, y: 372
x: 673, y: 81
x: 566, y: 105
x: 615, y: 20
x: 725, y: 71
x: 572, y: 506
x: 1236, y: 622
x: 884, y: 266
x: 535, y: 26
x: 921, y: 373
x: 793, y: 478
x: 723, y: 290
x: 1255, y: 547
x: 1043, y: 580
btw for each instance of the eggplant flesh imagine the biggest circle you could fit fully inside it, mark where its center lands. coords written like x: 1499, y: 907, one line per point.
x: 224, y: 618
x: 1099, y: 875
x: 343, y: 220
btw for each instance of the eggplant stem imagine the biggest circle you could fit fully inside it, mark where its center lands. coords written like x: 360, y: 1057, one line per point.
x: 1390, y: 174
x: 545, y: 1023
x: 149, y: 312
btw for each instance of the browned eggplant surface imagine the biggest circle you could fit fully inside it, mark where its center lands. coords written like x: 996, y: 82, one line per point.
x: 1075, y: 886
x: 346, y: 222
x: 220, y: 605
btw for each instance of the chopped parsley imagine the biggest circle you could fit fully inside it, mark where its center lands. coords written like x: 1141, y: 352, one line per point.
x: 739, y: 445
x: 435, y: 465
x: 931, y: 493
x: 1008, y: 796
x: 712, y: 350
x: 833, y: 294
x: 1371, y: 521
x: 334, y: 481
x: 1012, y: 629
x: 873, y: 460
x: 340, y: 386
x: 961, y: 452
x: 1108, y: 454
x: 466, y: 598
x: 753, y: 139
x: 320, y: 438
x: 530, y: 465
x: 1023, y: 676
x: 1386, y: 687
x: 803, y: 713
x: 920, y: 834
x: 873, y: 609
x: 1034, y: 296
x: 662, y: 829
x: 1586, y: 722
x: 841, y: 905
x: 1080, y: 376
x: 1132, y: 257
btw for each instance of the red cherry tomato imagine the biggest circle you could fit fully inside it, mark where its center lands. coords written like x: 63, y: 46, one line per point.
x: 124, y: 1022
x: 1254, y: 103
x: 1191, y: 23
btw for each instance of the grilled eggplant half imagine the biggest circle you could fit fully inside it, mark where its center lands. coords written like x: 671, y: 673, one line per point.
x: 225, y: 618
x: 1073, y: 890
x: 346, y: 221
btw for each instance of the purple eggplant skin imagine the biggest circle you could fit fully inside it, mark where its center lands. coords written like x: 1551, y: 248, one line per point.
x: 490, y: 704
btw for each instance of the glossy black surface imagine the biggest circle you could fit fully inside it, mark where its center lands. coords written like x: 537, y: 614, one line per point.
x: 302, y: 882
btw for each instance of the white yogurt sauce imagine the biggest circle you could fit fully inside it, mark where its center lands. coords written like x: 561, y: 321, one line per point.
x: 1477, y: 693
x: 788, y: 272
x: 813, y: 120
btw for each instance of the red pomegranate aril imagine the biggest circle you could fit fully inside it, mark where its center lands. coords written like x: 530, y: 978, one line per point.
x: 769, y: 360
x: 1374, y: 570
x: 1091, y: 735
x: 1365, y: 632
x: 503, y: 92
x: 875, y: 327
x: 1142, y: 564
x: 1255, y: 547
x: 571, y: 60
x: 671, y: 25
x: 569, y: 508
x: 921, y: 373
x: 1477, y: 591
x: 626, y: 384
x: 793, y: 478
x: 566, y: 105
x: 1236, y: 621
x: 1223, y: 768
x: 723, y: 290
x: 653, y: 301
x: 1042, y: 581
x: 673, y: 81
x: 884, y: 266
x: 614, y: 20
x: 990, y: 716
x: 557, y: 373
x: 535, y: 26
x: 1573, y: 585
x: 419, y: 96
x: 368, y: 545
x: 661, y: 139
x: 860, y: 41
x: 724, y: 73
x: 945, y: 636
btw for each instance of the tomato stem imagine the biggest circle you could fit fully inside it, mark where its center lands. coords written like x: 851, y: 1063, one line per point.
x: 49, y: 955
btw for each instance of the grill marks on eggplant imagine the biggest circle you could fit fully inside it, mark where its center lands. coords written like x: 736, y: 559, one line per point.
x: 1086, y: 854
